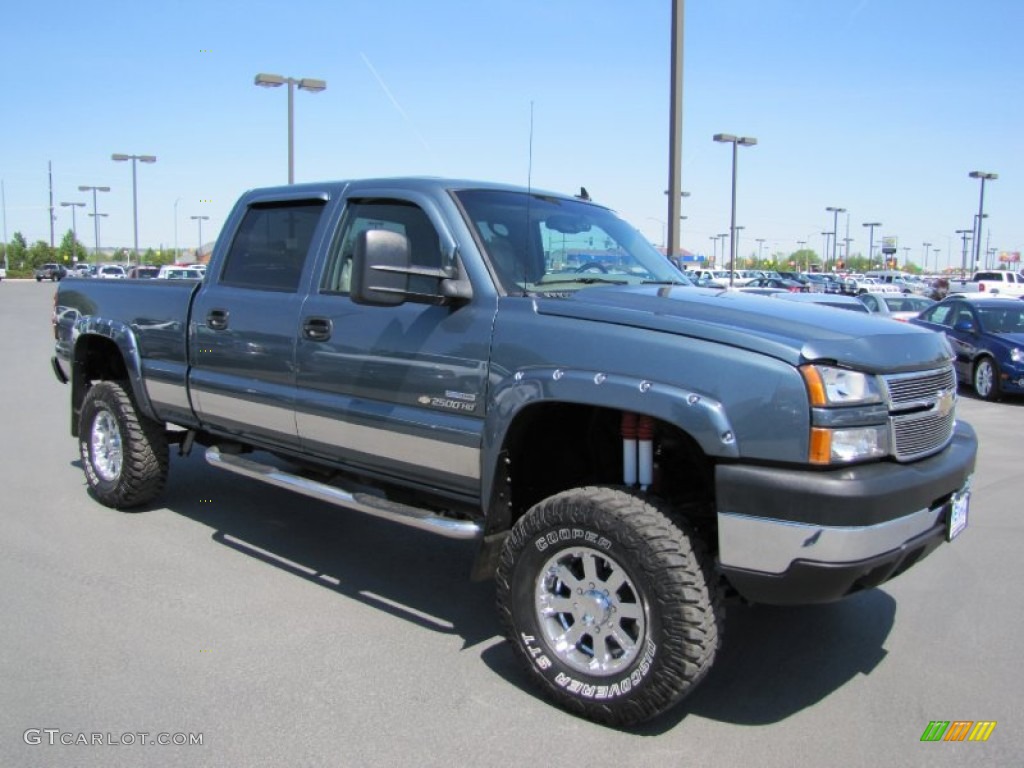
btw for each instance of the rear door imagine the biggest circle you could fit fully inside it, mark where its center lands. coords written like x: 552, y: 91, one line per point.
x: 245, y: 319
x: 396, y: 391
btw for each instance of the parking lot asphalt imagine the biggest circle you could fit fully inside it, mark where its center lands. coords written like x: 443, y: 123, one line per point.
x: 283, y: 631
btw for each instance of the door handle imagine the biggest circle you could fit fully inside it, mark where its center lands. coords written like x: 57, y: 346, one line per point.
x: 217, y: 319
x: 317, y: 328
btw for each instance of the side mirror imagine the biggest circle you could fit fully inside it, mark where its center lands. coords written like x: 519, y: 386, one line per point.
x: 964, y: 326
x: 380, y: 265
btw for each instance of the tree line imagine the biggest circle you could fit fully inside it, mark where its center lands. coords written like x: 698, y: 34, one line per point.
x: 23, y: 258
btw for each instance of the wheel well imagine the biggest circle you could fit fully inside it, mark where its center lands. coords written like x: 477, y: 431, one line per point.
x: 552, y: 447
x: 96, y: 358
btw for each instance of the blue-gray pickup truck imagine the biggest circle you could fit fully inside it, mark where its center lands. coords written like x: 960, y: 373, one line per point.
x: 523, y: 369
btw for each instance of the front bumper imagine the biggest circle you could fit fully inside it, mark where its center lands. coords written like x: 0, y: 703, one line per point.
x: 792, y: 537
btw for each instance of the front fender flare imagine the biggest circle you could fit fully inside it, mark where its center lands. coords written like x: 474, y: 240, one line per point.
x: 697, y: 414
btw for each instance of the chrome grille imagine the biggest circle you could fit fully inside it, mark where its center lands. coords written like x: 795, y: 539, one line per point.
x: 922, y: 411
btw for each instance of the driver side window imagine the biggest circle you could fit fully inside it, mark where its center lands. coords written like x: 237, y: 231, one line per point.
x: 391, y: 215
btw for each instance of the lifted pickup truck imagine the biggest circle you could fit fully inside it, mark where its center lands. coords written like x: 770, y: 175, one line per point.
x: 627, y: 449
x: 994, y: 281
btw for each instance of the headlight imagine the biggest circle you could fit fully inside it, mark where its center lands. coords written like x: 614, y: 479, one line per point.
x: 1017, y: 355
x: 841, y: 446
x: 849, y: 422
x: 827, y: 385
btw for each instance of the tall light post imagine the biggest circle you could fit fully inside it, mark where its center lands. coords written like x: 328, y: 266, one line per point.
x: 981, y: 210
x: 96, y: 224
x: 74, y: 229
x: 675, y: 233
x: 736, y: 141
x: 927, y: 246
x: 200, y: 220
x: 119, y: 158
x: 738, y: 228
x: 760, y: 244
x: 305, y: 84
x: 824, y: 252
x: 965, y: 234
x: 835, y: 231
x: 95, y: 214
x: 721, y: 236
x: 871, y: 238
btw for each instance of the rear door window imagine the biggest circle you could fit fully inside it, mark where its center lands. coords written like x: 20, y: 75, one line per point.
x: 271, y: 245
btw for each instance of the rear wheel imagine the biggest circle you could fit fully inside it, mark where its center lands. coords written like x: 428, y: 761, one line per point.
x: 124, y: 453
x: 610, y: 604
x: 986, y: 379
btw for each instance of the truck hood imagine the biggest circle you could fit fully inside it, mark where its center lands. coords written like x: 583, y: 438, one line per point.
x: 790, y: 331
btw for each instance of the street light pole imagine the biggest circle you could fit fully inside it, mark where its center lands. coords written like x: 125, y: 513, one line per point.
x: 824, y: 252
x: 760, y: 243
x: 74, y: 229
x: 835, y: 232
x: 96, y: 224
x: 95, y: 213
x: 927, y: 246
x: 200, y: 220
x: 963, y: 254
x: 306, y: 84
x: 119, y: 158
x: 871, y: 238
x: 981, y: 210
x: 736, y: 141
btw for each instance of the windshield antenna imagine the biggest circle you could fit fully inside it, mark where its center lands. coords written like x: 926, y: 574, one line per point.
x: 529, y: 196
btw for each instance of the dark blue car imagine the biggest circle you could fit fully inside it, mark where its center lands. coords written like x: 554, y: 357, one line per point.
x: 987, y: 335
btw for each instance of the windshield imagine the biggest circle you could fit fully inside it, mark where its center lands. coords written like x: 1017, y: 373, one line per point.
x: 549, y: 245
x: 1003, y: 319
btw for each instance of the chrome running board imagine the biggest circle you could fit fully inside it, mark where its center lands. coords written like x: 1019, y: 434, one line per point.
x: 415, y: 517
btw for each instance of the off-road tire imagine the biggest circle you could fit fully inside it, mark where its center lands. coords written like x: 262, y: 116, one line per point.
x: 985, y: 379
x: 553, y: 573
x: 124, y: 453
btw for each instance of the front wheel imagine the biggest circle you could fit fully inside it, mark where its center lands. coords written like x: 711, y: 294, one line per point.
x: 610, y: 604
x: 124, y: 453
x: 986, y: 379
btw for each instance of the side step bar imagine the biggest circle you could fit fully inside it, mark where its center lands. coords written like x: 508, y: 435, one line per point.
x: 361, y: 502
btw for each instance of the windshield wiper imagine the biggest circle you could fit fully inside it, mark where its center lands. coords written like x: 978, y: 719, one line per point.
x: 583, y: 280
x: 663, y: 282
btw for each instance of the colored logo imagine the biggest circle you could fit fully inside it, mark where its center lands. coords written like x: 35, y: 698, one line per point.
x: 958, y: 730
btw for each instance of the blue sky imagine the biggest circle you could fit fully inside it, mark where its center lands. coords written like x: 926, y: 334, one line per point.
x: 876, y: 106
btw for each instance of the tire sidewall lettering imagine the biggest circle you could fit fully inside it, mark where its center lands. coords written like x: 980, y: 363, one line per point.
x: 574, y: 535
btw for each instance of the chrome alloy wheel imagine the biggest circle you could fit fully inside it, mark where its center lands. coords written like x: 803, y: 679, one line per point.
x: 984, y: 378
x: 106, y: 446
x: 591, y: 614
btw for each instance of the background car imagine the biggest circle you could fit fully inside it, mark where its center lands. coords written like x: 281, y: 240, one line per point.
x: 825, y: 299
x: 873, y: 285
x: 143, y: 271
x: 987, y: 336
x: 51, y: 272
x: 781, y: 283
x: 820, y: 283
x: 897, y: 306
x: 111, y: 272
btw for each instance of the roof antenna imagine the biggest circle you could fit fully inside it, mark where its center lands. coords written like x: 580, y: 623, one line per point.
x: 583, y: 195
x: 529, y: 164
